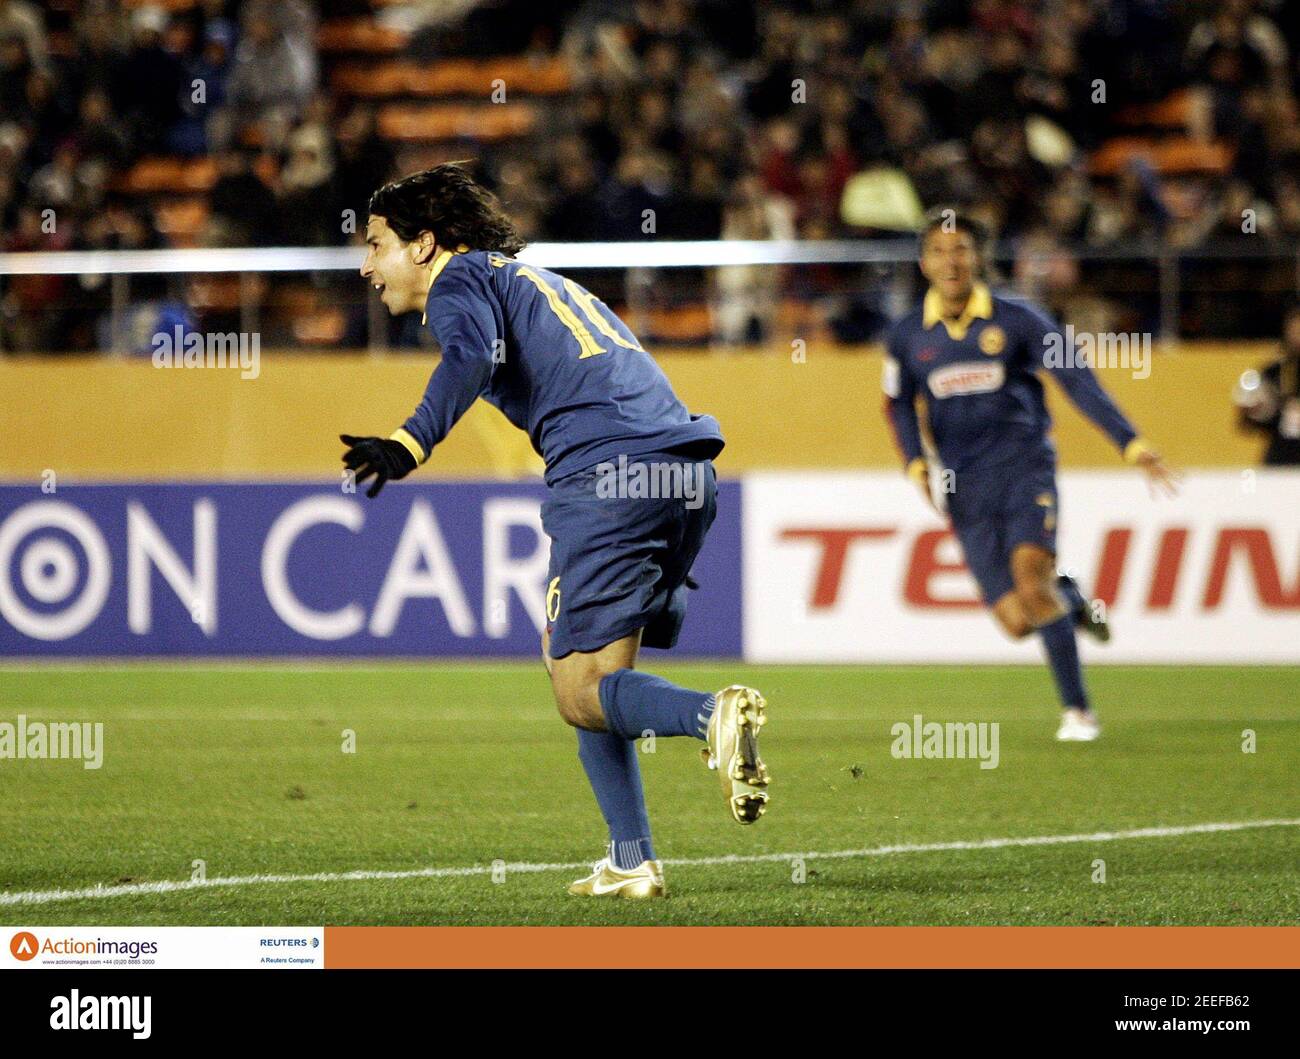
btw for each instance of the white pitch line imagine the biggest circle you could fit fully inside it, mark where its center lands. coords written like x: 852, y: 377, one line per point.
x: 166, y: 886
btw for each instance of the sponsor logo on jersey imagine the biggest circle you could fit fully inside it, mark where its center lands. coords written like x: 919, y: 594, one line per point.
x: 966, y: 378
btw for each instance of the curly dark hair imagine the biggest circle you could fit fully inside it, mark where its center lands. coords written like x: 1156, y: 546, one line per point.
x: 448, y: 202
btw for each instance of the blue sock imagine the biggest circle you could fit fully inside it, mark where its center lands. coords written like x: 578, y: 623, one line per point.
x: 615, y: 775
x: 1075, y: 601
x: 1063, y: 656
x: 636, y: 703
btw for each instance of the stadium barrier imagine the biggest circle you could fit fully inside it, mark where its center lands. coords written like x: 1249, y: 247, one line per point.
x: 800, y: 567
x: 1165, y: 282
x: 97, y: 419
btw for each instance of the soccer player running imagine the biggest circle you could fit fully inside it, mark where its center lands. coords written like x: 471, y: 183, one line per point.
x: 561, y: 366
x: 975, y: 357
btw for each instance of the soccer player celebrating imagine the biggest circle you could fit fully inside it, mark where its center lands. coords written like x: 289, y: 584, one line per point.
x: 976, y: 357
x: 561, y: 366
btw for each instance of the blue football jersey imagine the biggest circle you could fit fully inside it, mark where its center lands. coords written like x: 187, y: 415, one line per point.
x: 555, y: 360
x: 979, y: 378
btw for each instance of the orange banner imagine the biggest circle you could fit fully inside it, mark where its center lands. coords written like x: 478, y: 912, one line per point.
x: 812, y: 947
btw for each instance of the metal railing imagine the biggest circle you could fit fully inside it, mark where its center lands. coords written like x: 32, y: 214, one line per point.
x: 637, y: 258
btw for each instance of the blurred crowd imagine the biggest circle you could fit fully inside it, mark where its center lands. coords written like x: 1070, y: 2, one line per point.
x: 238, y: 82
x: 687, y: 119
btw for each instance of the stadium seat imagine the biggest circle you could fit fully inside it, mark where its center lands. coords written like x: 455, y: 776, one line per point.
x: 220, y: 291
x: 1171, y: 113
x: 181, y: 220
x: 361, y: 35
x: 170, y: 6
x: 199, y: 175
x: 415, y: 122
x: 455, y: 77
x: 1167, y: 156
x: 687, y: 324
x: 153, y: 175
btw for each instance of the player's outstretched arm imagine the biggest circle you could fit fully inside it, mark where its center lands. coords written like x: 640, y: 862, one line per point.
x: 1090, y: 397
x: 463, y: 324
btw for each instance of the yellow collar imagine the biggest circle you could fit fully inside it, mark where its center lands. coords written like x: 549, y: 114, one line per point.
x: 439, y: 263
x: 979, y: 306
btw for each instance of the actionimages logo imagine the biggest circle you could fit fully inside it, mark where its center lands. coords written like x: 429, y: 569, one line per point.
x: 24, y: 946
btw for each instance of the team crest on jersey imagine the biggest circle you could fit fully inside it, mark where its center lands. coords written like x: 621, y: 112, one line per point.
x: 992, y: 340
x: 969, y: 377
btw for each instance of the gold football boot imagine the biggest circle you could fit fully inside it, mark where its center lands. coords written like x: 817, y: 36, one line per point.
x: 733, y: 751
x: 645, y: 880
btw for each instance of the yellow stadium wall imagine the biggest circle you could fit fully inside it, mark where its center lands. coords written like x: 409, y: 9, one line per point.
x: 93, y: 418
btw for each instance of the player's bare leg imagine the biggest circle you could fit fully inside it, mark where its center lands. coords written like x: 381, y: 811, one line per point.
x: 576, y: 678
x: 1011, y: 616
x: 1033, y: 572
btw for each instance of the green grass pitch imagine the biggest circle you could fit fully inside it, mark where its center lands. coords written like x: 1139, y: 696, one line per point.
x: 458, y: 766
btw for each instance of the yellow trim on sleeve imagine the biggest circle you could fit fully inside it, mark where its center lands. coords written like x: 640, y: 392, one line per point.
x: 918, y: 470
x: 1134, y: 450
x: 401, y: 434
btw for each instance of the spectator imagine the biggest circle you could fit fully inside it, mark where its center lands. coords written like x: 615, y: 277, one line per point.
x: 22, y: 20
x: 366, y: 161
x: 306, y: 184
x: 274, y: 73
x: 149, y: 82
x: 1268, y: 401
x: 243, y: 208
x: 746, y: 295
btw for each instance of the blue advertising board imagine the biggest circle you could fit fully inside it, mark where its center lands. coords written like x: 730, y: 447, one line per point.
x: 290, y: 569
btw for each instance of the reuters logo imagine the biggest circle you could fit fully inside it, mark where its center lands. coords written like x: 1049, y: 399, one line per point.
x: 24, y: 946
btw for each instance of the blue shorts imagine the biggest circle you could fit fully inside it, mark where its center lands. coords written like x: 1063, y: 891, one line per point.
x: 993, y: 512
x: 620, y: 562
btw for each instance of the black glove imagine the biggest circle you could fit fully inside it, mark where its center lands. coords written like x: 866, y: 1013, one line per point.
x: 380, y: 458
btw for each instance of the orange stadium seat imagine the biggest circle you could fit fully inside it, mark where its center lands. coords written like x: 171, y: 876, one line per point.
x: 181, y: 220
x: 343, y: 35
x: 1173, y: 112
x: 198, y: 175
x: 167, y: 5
x: 152, y: 175
x: 687, y: 324
x: 418, y: 122
x: 220, y: 291
x: 1168, y: 156
x: 454, y: 77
